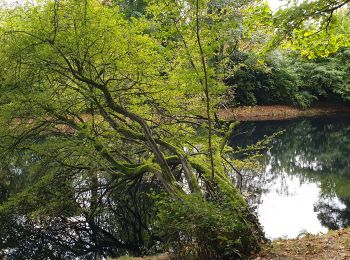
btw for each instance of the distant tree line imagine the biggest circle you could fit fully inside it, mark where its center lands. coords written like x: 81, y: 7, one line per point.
x: 288, y: 78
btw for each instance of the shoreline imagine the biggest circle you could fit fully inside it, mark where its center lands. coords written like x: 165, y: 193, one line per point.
x: 280, y: 112
x: 335, y: 244
x: 332, y: 245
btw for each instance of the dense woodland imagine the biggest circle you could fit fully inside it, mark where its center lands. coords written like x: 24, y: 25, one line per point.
x: 110, y: 143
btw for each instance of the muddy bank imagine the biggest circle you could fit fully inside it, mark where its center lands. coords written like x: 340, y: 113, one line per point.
x: 333, y: 245
x: 280, y: 112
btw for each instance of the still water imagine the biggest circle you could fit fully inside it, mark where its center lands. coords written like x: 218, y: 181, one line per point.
x: 303, y: 185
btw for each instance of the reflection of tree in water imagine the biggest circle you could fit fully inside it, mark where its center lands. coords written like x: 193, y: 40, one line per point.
x: 313, y: 150
x: 53, y: 220
x: 332, y: 214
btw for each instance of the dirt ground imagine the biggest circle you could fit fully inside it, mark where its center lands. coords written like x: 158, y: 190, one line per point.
x: 279, y: 112
x: 335, y: 245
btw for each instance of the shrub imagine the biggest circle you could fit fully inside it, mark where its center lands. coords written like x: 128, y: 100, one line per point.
x: 197, y: 229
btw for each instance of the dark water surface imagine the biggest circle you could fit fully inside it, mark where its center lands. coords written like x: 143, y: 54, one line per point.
x: 304, y: 183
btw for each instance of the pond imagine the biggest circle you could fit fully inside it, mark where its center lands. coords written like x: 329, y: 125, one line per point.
x: 303, y: 185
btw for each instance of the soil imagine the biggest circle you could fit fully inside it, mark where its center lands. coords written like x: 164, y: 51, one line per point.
x: 335, y: 245
x: 279, y: 112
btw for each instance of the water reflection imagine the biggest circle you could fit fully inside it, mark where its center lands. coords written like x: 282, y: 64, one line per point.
x: 304, y: 184
x: 53, y: 212
x: 292, y: 213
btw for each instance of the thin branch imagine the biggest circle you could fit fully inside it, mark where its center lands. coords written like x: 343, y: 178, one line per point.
x: 206, y: 91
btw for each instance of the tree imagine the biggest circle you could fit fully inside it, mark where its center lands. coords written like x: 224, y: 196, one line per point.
x: 105, y: 119
x: 316, y: 29
x: 132, y: 8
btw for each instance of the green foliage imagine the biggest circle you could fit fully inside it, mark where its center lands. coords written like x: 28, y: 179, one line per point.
x: 315, y: 29
x: 132, y: 8
x: 287, y: 78
x: 274, y: 82
x: 327, y: 77
x: 200, y: 229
